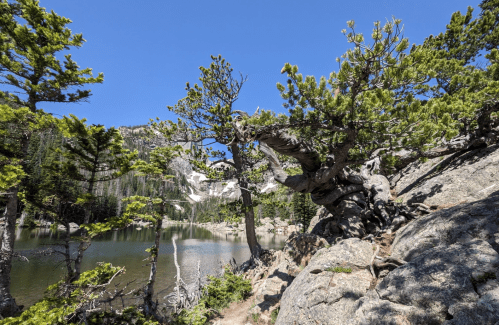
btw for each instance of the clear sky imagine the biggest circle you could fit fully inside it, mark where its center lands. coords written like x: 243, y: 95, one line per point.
x: 149, y: 49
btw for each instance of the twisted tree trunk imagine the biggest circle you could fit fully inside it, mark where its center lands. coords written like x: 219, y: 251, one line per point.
x: 358, y: 201
x: 249, y: 214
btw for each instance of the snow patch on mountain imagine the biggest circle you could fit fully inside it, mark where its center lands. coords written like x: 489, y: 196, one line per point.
x: 196, y: 178
x: 228, y: 187
x: 195, y: 197
x: 201, y: 188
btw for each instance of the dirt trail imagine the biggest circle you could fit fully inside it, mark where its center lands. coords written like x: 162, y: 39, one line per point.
x: 236, y: 314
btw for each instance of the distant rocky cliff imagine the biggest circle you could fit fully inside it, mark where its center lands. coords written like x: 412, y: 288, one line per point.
x: 200, y: 187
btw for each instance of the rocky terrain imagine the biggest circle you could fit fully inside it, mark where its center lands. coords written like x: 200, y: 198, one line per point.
x: 440, y: 268
x: 437, y: 263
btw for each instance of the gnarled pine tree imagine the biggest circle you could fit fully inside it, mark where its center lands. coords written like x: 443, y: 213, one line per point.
x: 378, y: 113
x: 206, y: 114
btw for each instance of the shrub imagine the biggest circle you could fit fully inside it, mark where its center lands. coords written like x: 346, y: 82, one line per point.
x: 60, y: 308
x: 218, y: 294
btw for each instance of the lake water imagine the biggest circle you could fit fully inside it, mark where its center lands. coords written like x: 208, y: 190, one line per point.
x: 127, y: 248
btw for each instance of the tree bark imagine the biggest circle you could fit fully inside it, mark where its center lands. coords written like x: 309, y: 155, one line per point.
x: 249, y: 214
x: 149, y: 306
x: 85, y: 242
x: 67, y: 253
x: 358, y: 201
x: 8, y: 306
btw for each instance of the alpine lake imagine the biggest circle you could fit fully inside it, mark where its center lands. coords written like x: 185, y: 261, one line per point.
x: 126, y: 247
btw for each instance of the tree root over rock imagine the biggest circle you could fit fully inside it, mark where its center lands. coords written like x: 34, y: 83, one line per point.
x: 365, y: 209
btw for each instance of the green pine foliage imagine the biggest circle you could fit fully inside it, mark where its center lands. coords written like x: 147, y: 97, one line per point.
x: 303, y: 208
x: 30, y: 37
x: 108, y: 194
x: 90, y: 155
x: 15, y: 123
x: 210, y: 210
x: 59, y: 308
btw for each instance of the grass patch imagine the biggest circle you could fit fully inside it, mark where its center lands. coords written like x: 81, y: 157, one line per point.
x: 273, y: 315
x: 255, y: 317
x: 339, y: 269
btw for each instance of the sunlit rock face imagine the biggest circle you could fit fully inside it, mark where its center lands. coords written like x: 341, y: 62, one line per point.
x: 449, y: 276
x: 450, y: 180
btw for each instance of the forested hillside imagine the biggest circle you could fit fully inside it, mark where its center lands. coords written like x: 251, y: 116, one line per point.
x: 109, y: 193
x: 284, y: 204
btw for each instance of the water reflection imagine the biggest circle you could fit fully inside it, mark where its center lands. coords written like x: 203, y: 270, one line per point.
x: 127, y: 248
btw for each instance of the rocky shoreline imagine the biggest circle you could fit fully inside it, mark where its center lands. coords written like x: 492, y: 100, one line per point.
x: 267, y: 225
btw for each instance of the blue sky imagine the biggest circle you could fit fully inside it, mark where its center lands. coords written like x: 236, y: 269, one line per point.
x: 148, y: 50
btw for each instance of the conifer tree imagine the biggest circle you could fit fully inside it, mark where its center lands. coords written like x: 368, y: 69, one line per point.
x: 152, y: 210
x: 490, y: 8
x: 465, y: 83
x: 30, y: 38
x: 92, y: 155
x: 57, y: 199
x: 304, y: 209
x: 206, y: 113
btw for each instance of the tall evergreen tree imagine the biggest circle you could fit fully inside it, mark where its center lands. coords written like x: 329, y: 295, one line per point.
x: 57, y: 200
x: 152, y: 210
x: 92, y: 155
x: 30, y: 37
x: 303, y: 208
